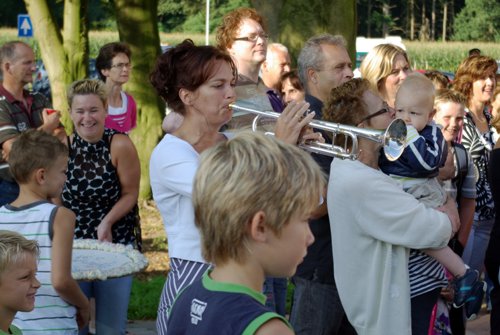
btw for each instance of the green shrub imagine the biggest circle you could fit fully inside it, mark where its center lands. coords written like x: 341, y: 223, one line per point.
x: 145, y: 298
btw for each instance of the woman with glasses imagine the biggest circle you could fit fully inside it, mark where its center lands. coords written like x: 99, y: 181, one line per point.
x: 373, y: 230
x: 113, y: 65
x: 386, y: 67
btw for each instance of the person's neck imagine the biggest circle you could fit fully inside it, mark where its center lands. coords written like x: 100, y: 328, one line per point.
x: 114, y: 94
x: 6, y: 317
x: 14, y: 88
x: 269, y: 84
x: 476, y: 108
x: 29, y: 194
x: 251, y: 71
x: 369, y: 153
x: 243, y: 274
x: 198, y: 133
x: 315, y: 93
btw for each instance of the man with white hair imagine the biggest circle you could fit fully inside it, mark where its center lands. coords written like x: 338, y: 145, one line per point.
x: 276, y: 64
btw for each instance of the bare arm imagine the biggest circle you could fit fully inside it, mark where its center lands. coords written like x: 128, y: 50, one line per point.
x: 62, y: 281
x: 322, y: 209
x: 6, y: 147
x: 450, y: 209
x: 466, y: 214
x: 126, y: 161
x: 448, y: 170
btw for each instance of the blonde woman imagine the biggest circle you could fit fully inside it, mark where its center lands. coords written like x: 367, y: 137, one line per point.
x: 386, y: 67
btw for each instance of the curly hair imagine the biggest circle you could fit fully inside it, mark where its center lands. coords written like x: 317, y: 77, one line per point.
x: 186, y: 66
x: 471, y: 69
x: 231, y: 22
x: 106, y: 54
x: 345, y: 105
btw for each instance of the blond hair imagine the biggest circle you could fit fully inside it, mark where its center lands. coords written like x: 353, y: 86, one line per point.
x: 14, y: 247
x: 377, y: 65
x: 34, y: 149
x: 448, y: 95
x: 250, y: 173
x: 88, y: 87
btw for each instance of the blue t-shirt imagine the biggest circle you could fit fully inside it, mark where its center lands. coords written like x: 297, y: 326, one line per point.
x: 210, y: 307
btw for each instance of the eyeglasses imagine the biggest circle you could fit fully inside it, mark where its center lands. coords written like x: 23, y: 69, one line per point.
x: 253, y: 37
x: 385, y: 109
x: 120, y: 66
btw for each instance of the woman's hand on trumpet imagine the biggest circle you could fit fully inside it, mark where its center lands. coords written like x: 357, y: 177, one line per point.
x: 291, y: 123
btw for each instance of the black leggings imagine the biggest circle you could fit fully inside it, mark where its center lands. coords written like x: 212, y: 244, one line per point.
x: 421, y: 311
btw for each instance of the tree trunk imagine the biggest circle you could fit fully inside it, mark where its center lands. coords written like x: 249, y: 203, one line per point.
x: 386, y: 12
x: 412, y: 19
x: 433, y: 20
x: 137, y: 26
x: 300, y: 20
x: 445, y: 19
x: 75, y: 36
x: 270, y: 12
x: 54, y: 51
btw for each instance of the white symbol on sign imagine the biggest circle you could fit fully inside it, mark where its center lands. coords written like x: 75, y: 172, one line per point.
x: 25, y: 26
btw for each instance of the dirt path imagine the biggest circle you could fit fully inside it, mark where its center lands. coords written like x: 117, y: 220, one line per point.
x: 154, y: 241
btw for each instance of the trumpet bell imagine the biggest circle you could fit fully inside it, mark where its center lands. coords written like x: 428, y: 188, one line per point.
x: 394, y: 140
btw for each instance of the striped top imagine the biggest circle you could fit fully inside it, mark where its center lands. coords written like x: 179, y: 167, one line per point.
x: 426, y: 273
x: 52, y: 315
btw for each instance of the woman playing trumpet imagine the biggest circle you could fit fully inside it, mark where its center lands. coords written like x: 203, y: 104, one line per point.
x: 198, y: 83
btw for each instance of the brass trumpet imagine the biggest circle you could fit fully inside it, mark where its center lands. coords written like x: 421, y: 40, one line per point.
x: 393, y: 139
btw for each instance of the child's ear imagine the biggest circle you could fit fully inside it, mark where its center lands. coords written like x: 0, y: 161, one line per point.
x: 39, y: 175
x: 258, y: 228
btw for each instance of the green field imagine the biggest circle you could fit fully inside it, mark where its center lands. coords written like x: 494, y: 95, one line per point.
x: 444, y: 56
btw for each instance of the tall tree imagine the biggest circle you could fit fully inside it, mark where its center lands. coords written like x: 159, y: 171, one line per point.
x: 479, y: 20
x: 65, y: 53
x: 299, y: 20
x: 137, y: 26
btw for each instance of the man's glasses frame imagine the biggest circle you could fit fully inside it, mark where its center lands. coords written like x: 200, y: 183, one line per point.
x: 253, y: 37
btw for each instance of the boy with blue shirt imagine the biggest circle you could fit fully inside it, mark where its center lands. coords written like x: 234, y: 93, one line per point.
x: 253, y: 196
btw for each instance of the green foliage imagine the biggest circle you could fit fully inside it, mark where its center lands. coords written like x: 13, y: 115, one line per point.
x: 479, y: 20
x: 145, y: 297
x: 189, y: 15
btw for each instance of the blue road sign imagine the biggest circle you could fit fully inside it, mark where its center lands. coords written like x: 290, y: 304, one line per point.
x: 24, y: 26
